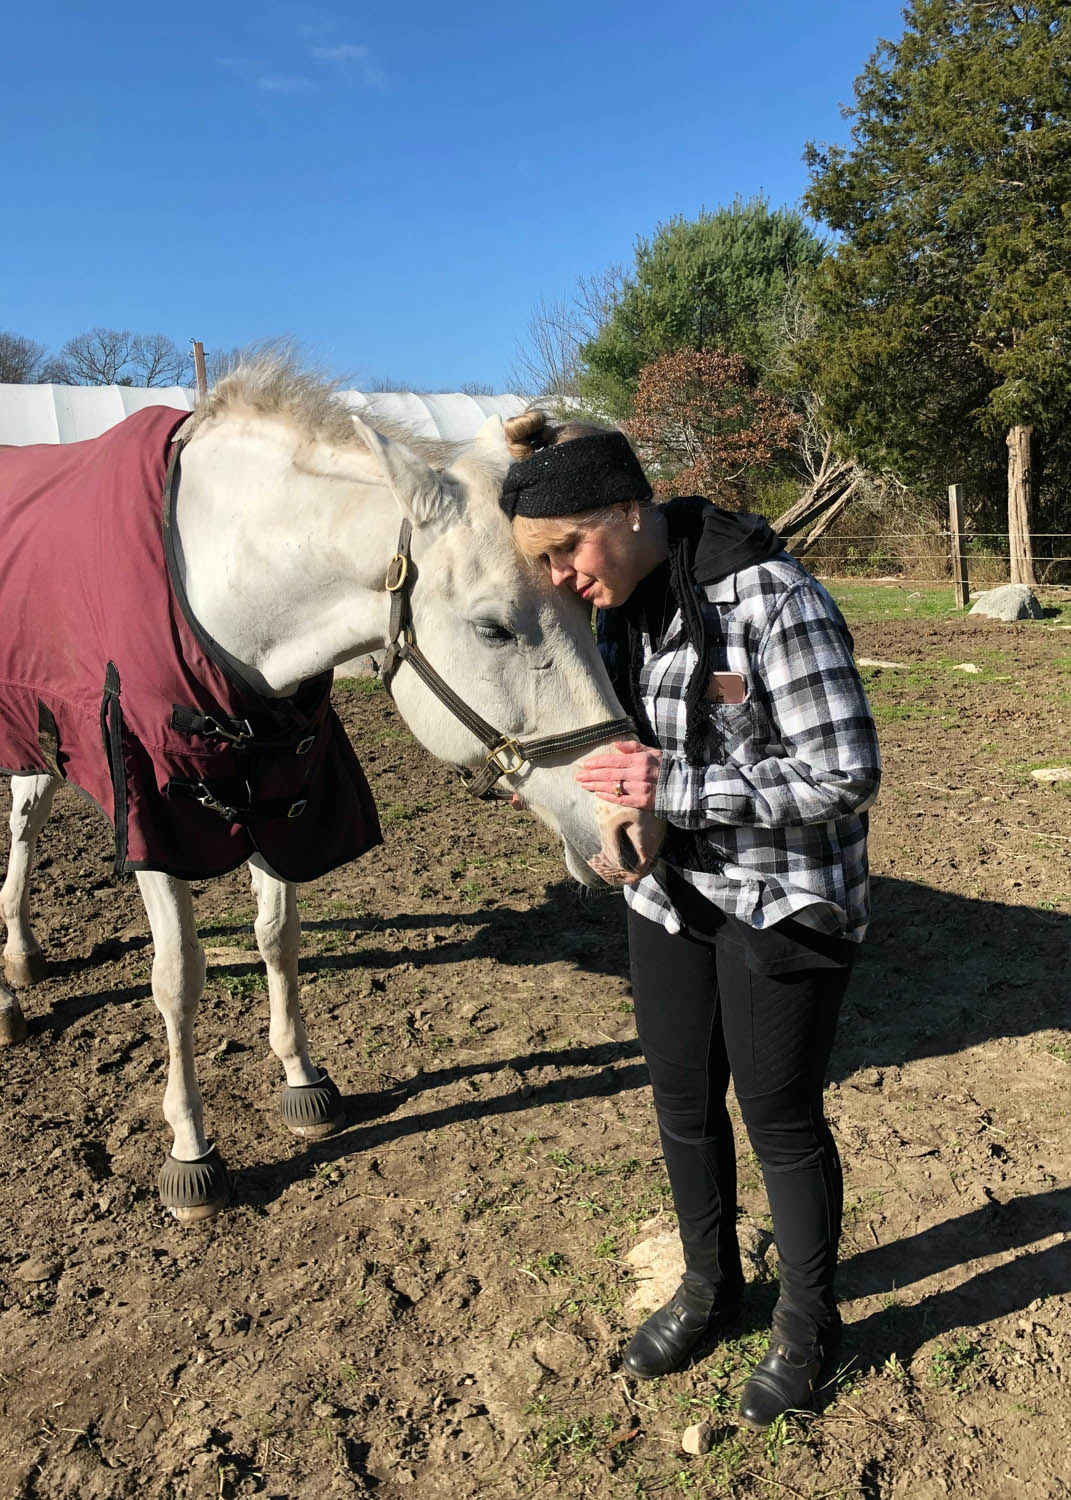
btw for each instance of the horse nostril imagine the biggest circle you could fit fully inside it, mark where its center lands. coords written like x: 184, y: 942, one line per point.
x: 626, y: 851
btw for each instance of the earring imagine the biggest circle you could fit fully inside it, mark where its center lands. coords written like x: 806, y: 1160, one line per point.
x: 636, y: 524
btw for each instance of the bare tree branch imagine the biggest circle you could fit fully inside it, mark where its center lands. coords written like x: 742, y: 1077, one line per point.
x: 112, y: 356
x: 21, y: 359
x: 547, y: 359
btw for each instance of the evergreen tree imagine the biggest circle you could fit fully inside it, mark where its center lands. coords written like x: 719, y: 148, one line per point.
x: 943, y: 319
x: 717, y: 281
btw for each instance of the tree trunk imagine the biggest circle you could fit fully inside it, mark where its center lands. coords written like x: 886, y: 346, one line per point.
x: 1020, y: 506
x: 824, y: 492
x: 832, y: 513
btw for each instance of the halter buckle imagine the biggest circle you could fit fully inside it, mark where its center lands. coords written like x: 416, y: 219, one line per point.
x: 508, y: 757
x: 397, y: 573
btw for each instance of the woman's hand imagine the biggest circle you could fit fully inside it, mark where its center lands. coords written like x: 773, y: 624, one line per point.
x: 626, y: 776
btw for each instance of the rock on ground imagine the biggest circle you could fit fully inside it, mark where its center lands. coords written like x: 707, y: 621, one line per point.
x: 1013, y: 601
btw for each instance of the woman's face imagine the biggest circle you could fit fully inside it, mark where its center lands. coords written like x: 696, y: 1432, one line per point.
x: 601, y: 564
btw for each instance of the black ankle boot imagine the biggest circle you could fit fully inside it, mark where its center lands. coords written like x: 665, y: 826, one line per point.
x: 785, y: 1379
x: 666, y: 1341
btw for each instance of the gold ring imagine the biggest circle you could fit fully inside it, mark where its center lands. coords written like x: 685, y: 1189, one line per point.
x: 619, y: 789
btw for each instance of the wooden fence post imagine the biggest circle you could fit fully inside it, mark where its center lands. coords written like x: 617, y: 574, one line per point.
x: 199, y: 369
x: 959, y: 551
x: 1020, y: 505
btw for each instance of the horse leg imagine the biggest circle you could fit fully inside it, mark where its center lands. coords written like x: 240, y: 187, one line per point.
x: 31, y: 803
x: 194, y: 1183
x: 311, y: 1105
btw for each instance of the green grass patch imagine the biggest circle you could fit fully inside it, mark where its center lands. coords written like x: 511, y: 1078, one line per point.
x: 243, y: 986
x: 906, y: 601
x: 1022, y: 769
x: 888, y: 713
x: 401, y: 812
x: 958, y: 1366
x: 356, y: 687
x: 877, y: 601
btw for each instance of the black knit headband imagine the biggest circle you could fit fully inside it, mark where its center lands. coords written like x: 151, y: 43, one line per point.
x: 580, y: 474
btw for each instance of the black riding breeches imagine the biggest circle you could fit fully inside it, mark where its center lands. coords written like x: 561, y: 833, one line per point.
x: 702, y: 1016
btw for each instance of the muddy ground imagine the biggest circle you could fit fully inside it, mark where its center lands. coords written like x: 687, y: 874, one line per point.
x: 432, y: 1303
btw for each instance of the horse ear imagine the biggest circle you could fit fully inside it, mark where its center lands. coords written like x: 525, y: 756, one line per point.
x: 491, y: 438
x: 415, y: 486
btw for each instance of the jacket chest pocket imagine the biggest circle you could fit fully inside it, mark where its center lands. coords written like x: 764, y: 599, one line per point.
x: 729, y: 712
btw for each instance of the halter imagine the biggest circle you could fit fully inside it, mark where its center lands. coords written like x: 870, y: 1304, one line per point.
x: 508, y: 756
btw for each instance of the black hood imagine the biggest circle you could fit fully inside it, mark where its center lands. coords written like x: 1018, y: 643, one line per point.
x: 728, y: 541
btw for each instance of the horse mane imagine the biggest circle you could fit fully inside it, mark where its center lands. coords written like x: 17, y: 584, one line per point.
x: 269, y: 380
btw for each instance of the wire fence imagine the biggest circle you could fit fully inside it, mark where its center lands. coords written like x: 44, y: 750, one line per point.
x: 987, y: 554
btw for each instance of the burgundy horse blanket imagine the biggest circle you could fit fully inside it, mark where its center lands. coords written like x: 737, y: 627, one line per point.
x: 108, y: 681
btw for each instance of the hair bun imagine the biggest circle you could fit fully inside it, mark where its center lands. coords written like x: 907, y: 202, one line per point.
x: 528, y: 432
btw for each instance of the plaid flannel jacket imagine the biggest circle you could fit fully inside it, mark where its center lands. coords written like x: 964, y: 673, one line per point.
x: 798, y: 764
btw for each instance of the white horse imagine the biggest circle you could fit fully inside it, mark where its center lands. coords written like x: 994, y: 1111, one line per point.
x: 287, y: 524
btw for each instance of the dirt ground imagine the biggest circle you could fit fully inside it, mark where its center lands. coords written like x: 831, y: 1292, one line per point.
x: 432, y: 1303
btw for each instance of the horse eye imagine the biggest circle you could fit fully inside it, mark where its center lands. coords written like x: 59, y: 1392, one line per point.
x: 492, y: 631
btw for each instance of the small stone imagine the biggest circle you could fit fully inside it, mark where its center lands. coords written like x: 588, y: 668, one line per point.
x: 966, y: 666
x: 37, y: 1269
x: 657, y: 1263
x: 699, y: 1438
x: 1052, y: 773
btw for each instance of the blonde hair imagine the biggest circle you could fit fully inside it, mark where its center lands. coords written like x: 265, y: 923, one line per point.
x: 533, y: 429
x: 527, y: 434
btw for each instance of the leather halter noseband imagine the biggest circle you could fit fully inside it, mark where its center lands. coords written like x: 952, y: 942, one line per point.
x: 507, y: 755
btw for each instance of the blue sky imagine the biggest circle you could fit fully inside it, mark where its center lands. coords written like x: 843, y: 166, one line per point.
x: 394, y: 186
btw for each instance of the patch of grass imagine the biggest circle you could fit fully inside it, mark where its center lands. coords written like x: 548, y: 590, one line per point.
x: 566, y: 1438
x: 1021, y: 771
x: 863, y: 1204
x: 356, y: 687
x: 899, y: 682
x: 546, y: 1266
x: 401, y: 812
x: 374, y: 1038
x: 888, y: 713
x: 900, y: 601
x: 781, y: 1434
x: 911, y: 601
x: 242, y: 986
x: 956, y: 1367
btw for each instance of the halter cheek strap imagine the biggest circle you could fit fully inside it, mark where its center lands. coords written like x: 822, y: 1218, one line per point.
x: 508, y: 756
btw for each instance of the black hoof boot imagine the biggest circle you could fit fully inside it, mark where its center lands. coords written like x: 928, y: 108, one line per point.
x: 313, y: 1110
x: 668, y: 1339
x: 194, y: 1190
x: 784, y: 1380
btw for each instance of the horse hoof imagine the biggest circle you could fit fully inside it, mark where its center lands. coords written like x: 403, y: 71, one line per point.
x: 195, y: 1190
x: 24, y: 969
x: 12, y: 1022
x: 313, y: 1110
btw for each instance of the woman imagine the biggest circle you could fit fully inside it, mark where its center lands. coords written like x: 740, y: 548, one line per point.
x: 756, y: 744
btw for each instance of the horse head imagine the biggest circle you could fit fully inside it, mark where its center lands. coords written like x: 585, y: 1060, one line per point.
x: 517, y: 652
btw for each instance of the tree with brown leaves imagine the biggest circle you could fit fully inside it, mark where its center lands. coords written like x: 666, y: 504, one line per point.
x: 706, y: 424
